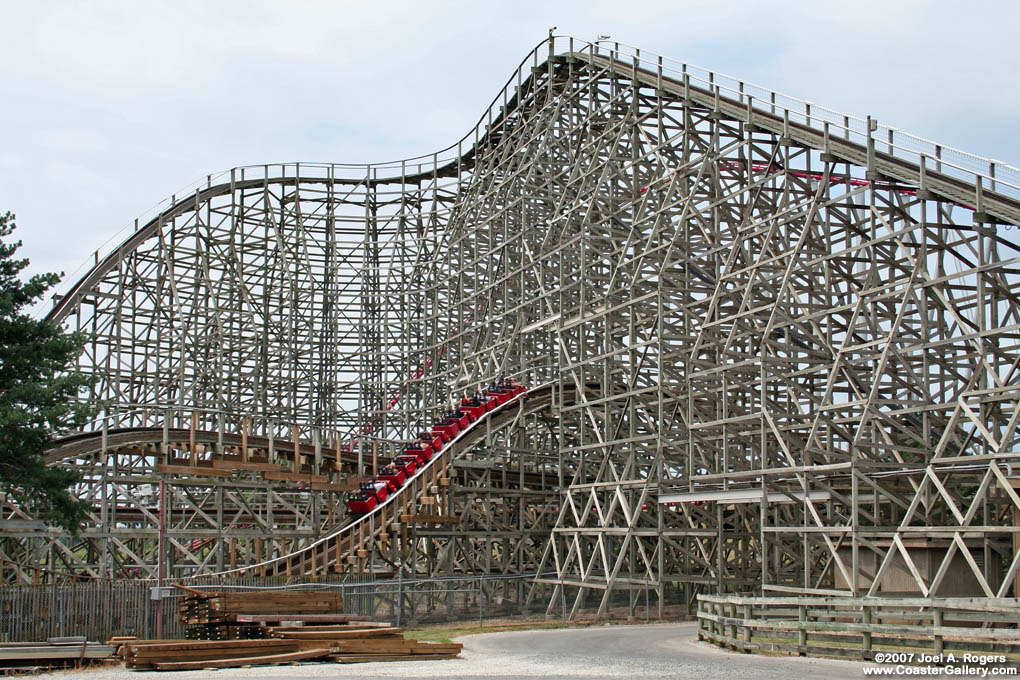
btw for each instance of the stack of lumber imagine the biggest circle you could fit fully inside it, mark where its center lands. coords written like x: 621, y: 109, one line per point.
x: 287, y: 645
x: 224, y: 607
x: 170, y: 655
x: 273, y: 627
x: 219, y: 616
x: 224, y: 631
x: 367, y: 642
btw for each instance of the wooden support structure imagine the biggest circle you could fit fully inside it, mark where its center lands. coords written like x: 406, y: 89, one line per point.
x: 800, y: 326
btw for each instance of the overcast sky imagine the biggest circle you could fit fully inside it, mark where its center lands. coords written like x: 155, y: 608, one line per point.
x: 109, y: 107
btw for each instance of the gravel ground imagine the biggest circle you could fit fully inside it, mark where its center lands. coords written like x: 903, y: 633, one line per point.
x: 626, y: 652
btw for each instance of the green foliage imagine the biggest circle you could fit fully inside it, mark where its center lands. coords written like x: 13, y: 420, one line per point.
x: 36, y: 394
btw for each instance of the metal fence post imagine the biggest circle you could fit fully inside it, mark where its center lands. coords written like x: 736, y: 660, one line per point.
x: 62, y: 614
x: 400, y: 594
x: 480, y: 595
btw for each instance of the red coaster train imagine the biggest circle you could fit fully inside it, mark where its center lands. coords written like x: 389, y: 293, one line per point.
x: 444, y: 430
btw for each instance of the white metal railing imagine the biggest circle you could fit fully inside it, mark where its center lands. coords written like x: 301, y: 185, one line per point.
x: 993, y: 175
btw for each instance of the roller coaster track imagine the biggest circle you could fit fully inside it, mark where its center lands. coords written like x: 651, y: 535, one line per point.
x: 927, y: 173
x: 72, y: 447
x: 779, y: 347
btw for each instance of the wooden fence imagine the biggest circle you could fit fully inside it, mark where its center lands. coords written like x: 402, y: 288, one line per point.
x: 860, y: 627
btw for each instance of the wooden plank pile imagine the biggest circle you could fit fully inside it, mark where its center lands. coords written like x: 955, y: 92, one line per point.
x: 226, y: 630
x: 354, y: 643
x: 369, y: 642
x: 176, y: 655
x: 215, y: 607
x: 219, y: 616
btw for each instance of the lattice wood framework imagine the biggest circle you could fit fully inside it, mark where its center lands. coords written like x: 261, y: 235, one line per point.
x: 784, y: 344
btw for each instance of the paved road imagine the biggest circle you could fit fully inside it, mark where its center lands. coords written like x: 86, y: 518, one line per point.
x: 654, y: 651
x: 625, y: 652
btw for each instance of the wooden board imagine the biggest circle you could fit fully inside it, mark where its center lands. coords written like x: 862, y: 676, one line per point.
x: 238, y: 465
x: 267, y: 660
x: 398, y: 646
x: 192, y: 471
x: 371, y: 633
x: 271, y: 618
x: 176, y: 645
x: 147, y: 661
x: 44, y: 651
x: 359, y: 625
x: 295, y: 477
x: 329, y: 486
x: 431, y: 519
x: 354, y: 659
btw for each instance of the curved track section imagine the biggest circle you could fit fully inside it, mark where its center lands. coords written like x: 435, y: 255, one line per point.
x: 355, y: 543
x: 87, y: 444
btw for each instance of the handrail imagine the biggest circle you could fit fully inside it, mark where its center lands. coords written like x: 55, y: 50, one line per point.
x: 806, y: 625
x: 910, y: 147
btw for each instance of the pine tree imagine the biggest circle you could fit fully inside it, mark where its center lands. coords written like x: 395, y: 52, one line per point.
x: 37, y: 394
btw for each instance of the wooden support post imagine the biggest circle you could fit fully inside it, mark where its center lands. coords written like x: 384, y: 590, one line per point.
x: 733, y: 616
x: 1016, y: 548
x: 747, y: 623
x: 245, y: 432
x: 936, y: 623
x: 866, y: 635
x: 271, y: 435
x: 192, y: 446
x: 701, y: 621
x: 801, y: 630
x: 317, y: 444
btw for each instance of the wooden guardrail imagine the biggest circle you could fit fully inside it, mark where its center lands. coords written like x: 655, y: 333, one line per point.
x: 860, y: 627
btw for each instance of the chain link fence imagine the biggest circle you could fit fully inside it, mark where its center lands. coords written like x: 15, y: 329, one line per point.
x: 105, y: 609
